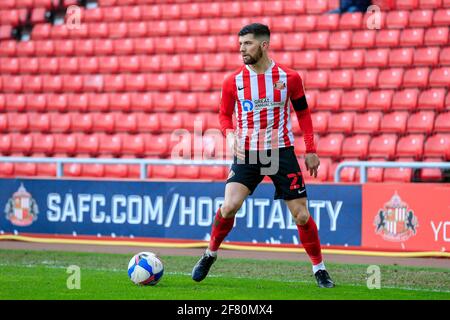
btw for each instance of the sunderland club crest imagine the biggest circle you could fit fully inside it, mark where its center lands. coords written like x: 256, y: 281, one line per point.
x: 21, y: 209
x: 396, y: 222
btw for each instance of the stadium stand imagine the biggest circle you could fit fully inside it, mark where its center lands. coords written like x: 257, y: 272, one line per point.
x: 135, y: 70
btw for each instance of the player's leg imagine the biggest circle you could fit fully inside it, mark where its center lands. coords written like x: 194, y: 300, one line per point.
x: 291, y: 188
x: 242, y: 181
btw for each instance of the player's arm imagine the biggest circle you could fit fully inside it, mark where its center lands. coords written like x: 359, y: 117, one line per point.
x: 301, y: 109
x: 227, y: 102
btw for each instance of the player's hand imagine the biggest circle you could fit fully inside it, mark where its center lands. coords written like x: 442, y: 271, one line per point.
x: 234, y: 146
x: 312, y: 163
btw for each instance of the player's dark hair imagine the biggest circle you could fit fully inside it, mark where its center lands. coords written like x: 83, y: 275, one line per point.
x: 257, y: 29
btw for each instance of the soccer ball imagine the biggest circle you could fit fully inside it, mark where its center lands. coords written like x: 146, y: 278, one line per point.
x: 145, y: 268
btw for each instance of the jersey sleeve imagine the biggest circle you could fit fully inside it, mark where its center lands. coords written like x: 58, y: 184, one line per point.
x: 296, y: 87
x: 227, y: 102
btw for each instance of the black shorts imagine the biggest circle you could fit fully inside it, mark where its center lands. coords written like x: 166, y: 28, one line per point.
x: 280, y: 165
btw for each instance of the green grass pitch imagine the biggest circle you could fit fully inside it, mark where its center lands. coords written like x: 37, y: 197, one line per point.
x: 29, y: 275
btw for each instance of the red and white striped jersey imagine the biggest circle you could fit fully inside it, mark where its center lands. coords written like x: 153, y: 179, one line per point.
x: 260, y: 103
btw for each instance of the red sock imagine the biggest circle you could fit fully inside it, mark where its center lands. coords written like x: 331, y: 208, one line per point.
x: 309, y: 236
x: 220, y: 229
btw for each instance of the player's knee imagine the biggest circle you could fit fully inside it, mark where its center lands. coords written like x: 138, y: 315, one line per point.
x: 301, y: 214
x: 230, y: 208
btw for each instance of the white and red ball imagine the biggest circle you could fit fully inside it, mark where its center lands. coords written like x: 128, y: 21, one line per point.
x: 145, y: 268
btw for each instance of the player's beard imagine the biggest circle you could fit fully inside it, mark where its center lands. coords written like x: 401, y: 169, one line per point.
x: 254, y: 59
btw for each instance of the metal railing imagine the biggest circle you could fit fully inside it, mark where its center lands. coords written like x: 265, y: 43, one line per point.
x: 141, y: 162
x: 363, y: 165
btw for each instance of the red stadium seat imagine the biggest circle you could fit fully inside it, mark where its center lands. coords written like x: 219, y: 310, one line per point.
x: 390, y: 78
x: 405, y: 99
x: 436, y: 36
x: 368, y: 122
x: 163, y: 102
x: 219, y: 26
x: 330, y: 145
x: 397, y: 175
x: 213, y: 172
x: 164, y: 172
x: 129, y: 64
x: 43, y: 143
x: 157, y: 145
x: 17, y: 122
x: 421, y: 122
x: 352, y: 58
x: 186, y: 101
x: 432, y: 99
x: 141, y: 101
x: 206, y: 44
x: 316, y: 7
x: 363, y: 39
x: 317, y: 40
x: 119, y: 102
x: 87, y: 143
x: 97, y: 102
x: 438, y: 146
x: 212, y: 62
x: 178, y: 81
x: 116, y: 170
x: 194, y: 62
x: 354, y: 100
x: 3, y: 122
x: 341, y: 79
x: 327, y: 22
x: 426, y: 56
x: 394, y: 122
x: 12, y: 83
x: 411, y: 146
x: 189, y: 11
x: 351, y: 20
x: 77, y: 102
x: 417, y: 77
x: 440, y: 77
x: 356, y: 146
x: 113, y: 83
x: 92, y: 170
x: 283, y: 24
x: 305, y: 59
x: 72, y: 169
x: 68, y: 65
x: 81, y: 122
x: 441, y: 17
x: 39, y: 122
x: 25, y: 169
x: 388, y: 38
x: 171, y: 122
x: 200, y: 81
x: 187, y: 172
x: 207, y: 101
x: 56, y: 102
x: 316, y: 79
x: 46, y: 169
x: 406, y: 4
x: 383, y: 146
x: 397, y: 19
x: 365, y: 78
x: 32, y: 83
x: 28, y: 65
x: 431, y: 174
x: 401, y: 57
x: 88, y: 64
x: 227, y: 43
x: 135, y: 82
x: 442, y: 122
x: 320, y: 121
x: 5, y: 144
x: 412, y: 37
x: 444, y: 56
x: 65, y: 143
x: 305, y: 23
x: 377, y: 58
x: 21, y: 143
x: 148, y: 122
x: 329, y: 100
x: 103, y: 122
x: 110, y: 144
x: 60, y: 122
x: 341, y: 122
x: 327, y: 59
x: 421, y: 18
x: 15, y: 102
x: 125, y: 122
